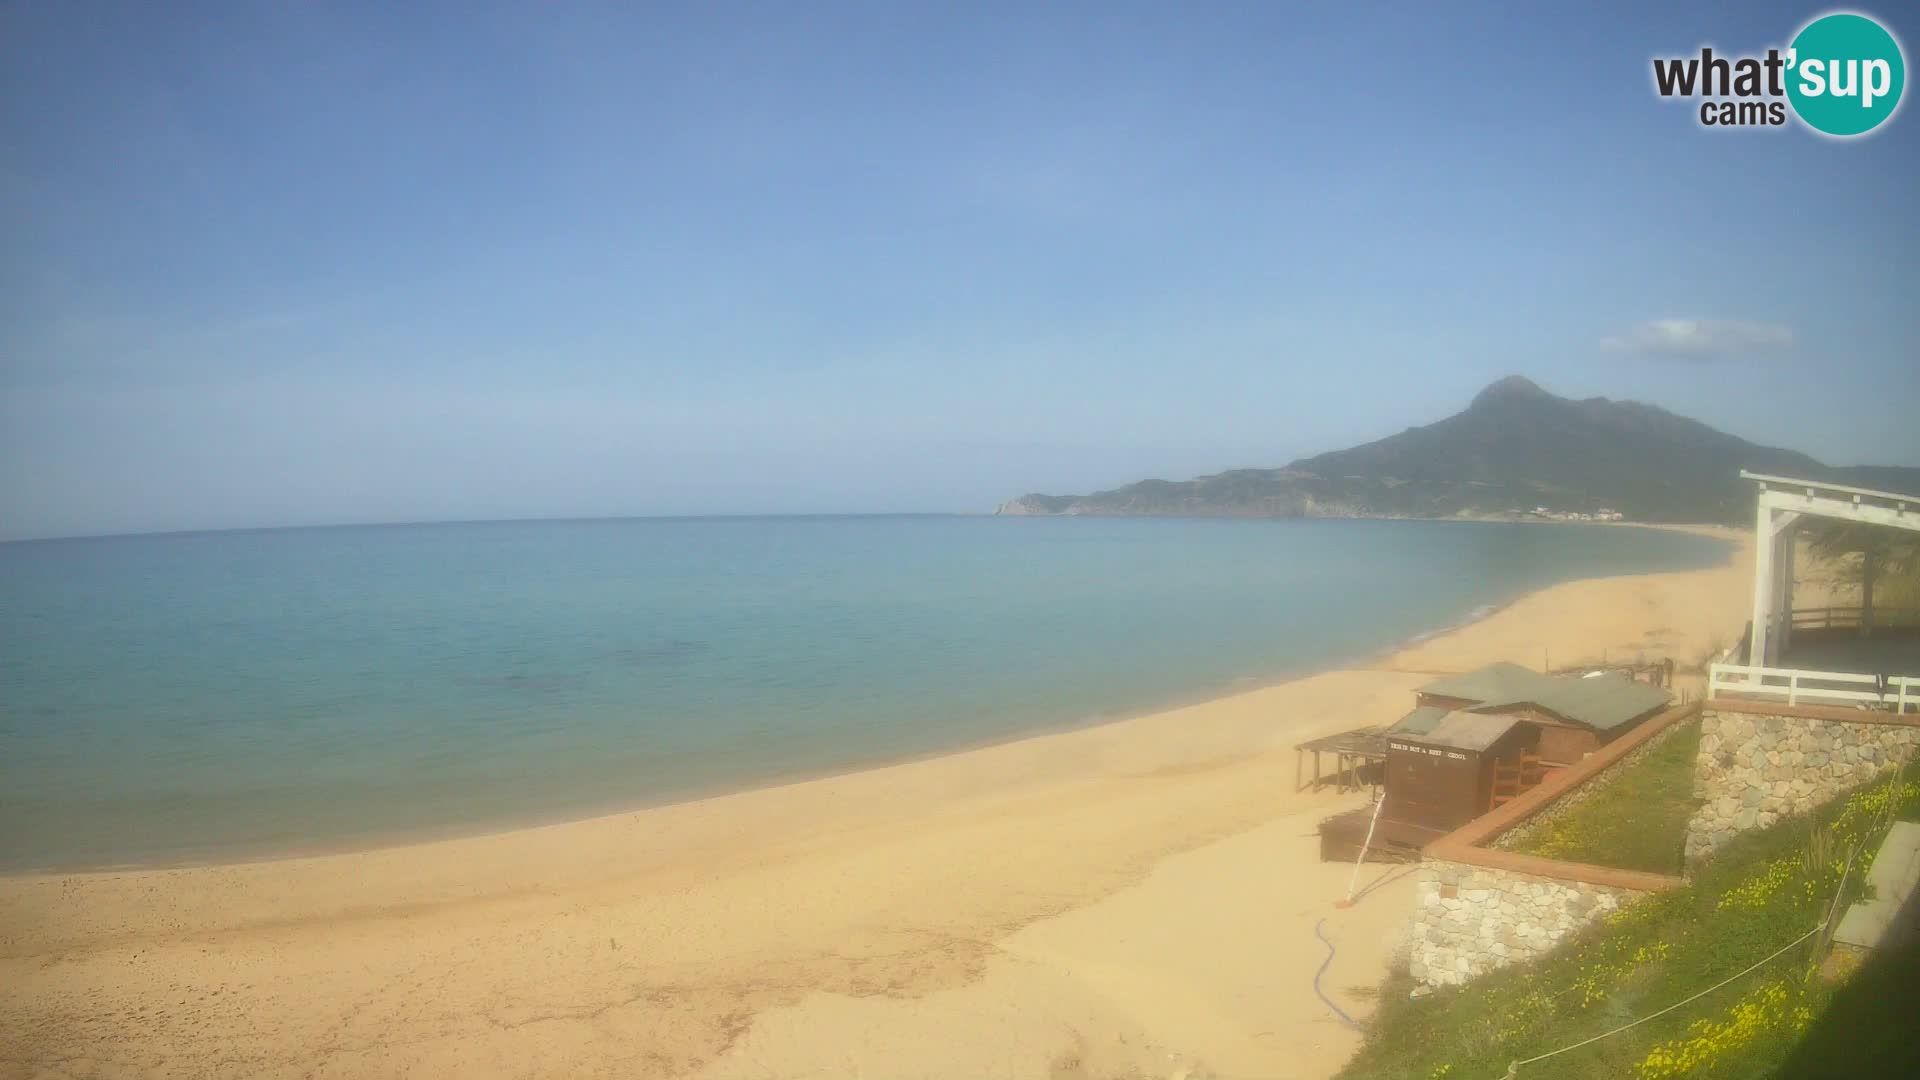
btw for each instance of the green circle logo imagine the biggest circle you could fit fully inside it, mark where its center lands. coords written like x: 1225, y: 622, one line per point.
x: 1845, y: 74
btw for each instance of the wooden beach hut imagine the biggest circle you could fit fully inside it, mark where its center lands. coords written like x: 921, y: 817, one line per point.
x: 1475, y: 740
x: 1442, y: 766
x: 1576, y: 715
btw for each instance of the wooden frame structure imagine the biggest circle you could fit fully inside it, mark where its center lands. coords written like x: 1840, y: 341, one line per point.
x: 1784, y: 504
x: 1352, y: 751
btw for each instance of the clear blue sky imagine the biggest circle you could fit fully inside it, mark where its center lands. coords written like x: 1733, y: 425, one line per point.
x: 271, y: 264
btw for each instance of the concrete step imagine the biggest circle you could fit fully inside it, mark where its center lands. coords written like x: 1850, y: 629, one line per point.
x: 1892, y: 917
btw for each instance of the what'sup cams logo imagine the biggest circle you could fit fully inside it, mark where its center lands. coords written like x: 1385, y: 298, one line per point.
x: 1841, y: 76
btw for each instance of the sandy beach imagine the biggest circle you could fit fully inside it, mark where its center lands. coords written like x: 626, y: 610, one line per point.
x: 1134, y: 899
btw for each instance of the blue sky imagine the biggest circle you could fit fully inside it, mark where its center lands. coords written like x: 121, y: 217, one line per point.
x: 270, y: 264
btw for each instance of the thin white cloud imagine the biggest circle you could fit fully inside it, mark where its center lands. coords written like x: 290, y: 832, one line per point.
x: 1700, y: 337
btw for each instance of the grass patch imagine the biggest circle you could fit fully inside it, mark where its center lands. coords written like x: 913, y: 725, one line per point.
x: 1762, y: 891
x: 1636, y: 816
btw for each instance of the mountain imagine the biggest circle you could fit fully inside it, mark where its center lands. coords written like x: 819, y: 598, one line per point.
x: 1516, y: 447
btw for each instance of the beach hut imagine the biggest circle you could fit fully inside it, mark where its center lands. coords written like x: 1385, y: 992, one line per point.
x: 1475, y: 740
x: 1576, y: 715
x: 1444, y: 767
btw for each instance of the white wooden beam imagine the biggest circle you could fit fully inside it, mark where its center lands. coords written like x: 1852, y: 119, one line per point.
x: 1783, y: 503
x: 1783, y: 543
x: 1867, y: 573
x: 1840, y: 509
x: 1762, y: 583
x: 1793, y: 482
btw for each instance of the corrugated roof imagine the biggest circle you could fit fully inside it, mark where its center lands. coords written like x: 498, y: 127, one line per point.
x: 1495, y: 682
x: 1465, y: 730
x: 1602, y: 702
x: 1419, y: 721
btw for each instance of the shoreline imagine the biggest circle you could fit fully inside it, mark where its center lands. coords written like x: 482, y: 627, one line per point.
x: 1128, y: 897
x: 400, y: 841
x: 404, y: 839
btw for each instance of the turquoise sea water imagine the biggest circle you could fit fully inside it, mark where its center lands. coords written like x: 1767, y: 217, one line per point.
x: 215, y: 695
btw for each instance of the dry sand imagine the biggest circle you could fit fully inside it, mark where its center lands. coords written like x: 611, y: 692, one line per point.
x: 1136, y: 899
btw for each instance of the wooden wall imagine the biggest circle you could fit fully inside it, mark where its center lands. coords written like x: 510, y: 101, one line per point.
x: 1562, y: 745
x: 1439, y: 787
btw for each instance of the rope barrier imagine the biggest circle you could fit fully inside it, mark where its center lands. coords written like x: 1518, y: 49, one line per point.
x: 1513, y: 1069
x: 1354, y: 882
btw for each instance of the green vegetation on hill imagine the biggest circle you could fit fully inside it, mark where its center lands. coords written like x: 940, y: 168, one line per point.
x: 1764, y: 890
x: 1636, y: 816
x: 1514, y: 448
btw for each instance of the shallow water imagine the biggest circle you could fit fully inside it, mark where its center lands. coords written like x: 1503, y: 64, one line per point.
x: 221, y: 695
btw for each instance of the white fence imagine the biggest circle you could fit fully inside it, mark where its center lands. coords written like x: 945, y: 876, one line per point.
x: 1897, y: 692
x: 1850, y: 618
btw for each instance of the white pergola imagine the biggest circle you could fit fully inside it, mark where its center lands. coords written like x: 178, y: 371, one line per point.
x: 1784, y: 504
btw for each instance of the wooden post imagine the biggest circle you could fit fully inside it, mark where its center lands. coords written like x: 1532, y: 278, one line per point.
x: 1790, y: 537
x: 1762, y: 582
x: 1868, y: 559
x: 1299, y: 763
x: 1316, y: 768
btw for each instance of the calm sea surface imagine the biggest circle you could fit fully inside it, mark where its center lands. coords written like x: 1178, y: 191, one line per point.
x: 214, y: 695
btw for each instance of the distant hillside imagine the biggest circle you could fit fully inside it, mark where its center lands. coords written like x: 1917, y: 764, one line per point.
x: 1514, y: 448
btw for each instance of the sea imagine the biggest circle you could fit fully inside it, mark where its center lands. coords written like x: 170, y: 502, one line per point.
x: 196, y: 697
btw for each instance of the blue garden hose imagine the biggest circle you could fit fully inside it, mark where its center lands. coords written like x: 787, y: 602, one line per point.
x: 1324, y: 964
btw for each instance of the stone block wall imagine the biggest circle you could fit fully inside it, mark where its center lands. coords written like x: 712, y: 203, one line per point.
x: 1754, y: 769
x: 1469, y: 920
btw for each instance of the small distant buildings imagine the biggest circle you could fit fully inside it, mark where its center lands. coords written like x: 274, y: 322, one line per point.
x: 1473, y: 740
x: 1602, y: 514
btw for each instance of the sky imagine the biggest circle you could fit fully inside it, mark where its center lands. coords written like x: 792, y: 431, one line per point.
x: 308, y: 263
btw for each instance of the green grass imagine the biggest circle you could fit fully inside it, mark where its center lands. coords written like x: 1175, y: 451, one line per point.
x: 1762, y: 891
x: 1636, y: 818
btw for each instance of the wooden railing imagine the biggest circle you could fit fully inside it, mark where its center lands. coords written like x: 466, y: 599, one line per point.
x: 1850, y: 618
x: 1897, y: 692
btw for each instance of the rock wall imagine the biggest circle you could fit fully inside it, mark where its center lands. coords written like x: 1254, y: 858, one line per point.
x: 1470, y: 920
x: 1754, y: 769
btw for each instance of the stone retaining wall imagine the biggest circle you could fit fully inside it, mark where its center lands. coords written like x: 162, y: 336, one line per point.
x: 1469, y: 920
x: 1755, y: 768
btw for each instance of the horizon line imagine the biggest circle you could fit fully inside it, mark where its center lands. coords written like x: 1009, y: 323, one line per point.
x: 560, y: 520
